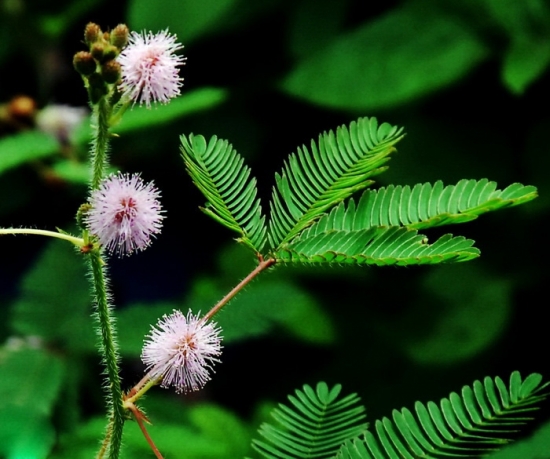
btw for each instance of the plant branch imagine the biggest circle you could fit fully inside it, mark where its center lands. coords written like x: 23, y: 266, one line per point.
x: 263, y: 265
x: 140, y: 417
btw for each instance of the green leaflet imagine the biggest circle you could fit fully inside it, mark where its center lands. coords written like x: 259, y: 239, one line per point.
x: 314, y: 427
x: 481, y: 419
x: 376, y: 246
x: 337, y: 166
x: 424, y: 205
x: 313, y: 218
x: 219, y: 172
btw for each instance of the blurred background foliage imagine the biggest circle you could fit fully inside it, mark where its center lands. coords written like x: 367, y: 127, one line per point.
x: 468, y: 79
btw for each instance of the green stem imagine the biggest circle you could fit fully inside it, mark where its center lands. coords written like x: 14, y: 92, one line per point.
x: 78, y: 241
x: 109, y: 353
x: 262, y: 265
x: 100, y: 143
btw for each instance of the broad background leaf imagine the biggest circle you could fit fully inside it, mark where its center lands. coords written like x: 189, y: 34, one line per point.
x: 463, y: 311
x: 26, y: 146
x: 188, y: 20
x: 30, y: 381
x: 194, y: 432
x: 407, y: 53
x: 54, y: 303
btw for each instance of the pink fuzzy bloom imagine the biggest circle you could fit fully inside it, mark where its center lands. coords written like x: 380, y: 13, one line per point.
x: 181, y: 350
x: 125, y: 213
x: 150, y: 68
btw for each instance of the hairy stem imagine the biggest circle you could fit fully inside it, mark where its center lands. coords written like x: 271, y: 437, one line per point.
x: 78, y: 241
x: 100, y: 143
x: 109, y: 353
x: 263, y: 265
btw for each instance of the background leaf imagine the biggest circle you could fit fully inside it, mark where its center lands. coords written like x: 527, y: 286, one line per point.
x: 526, y: 60
x: 468, y: 312
x: 32, y: 377
x: 188, y: 20
x: 19, y: 149
x: 54, y: 303
x: 407, y: 53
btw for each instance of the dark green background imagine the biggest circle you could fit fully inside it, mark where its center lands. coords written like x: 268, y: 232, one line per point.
x: 467, y: 79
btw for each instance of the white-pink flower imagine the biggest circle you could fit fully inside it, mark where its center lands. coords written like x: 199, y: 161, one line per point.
x: 150, y: 68
x: 181, y: 350
x: 125, y: 213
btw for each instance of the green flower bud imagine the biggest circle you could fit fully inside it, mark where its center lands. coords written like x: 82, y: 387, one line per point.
x: 92, y: 32
x: 110, y: 53
x: 84, y: 63
x: 119, y: 36
x: 81, y: 214
x: 110, y: 71
x: 97, y: 51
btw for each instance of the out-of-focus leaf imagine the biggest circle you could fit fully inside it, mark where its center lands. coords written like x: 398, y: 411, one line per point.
x: 215, y: 422
x: 535, y: 447
x: 140, y: 117
x: 54, y: 303
x: 134, y: 323
x: 516, y: 17
x: 205, y: 437
x: 262, y: 307
x: 29, y: 386
x: 73, y: 172
x: 527, y: 58
x: 313, y: 25
x: 55, y: 26
x: 410, y: 52
x: 472, y: 311
x: 188, y: 20
x: 191, y: 102
x: 537, y: 164
x: 82, y: 442
x: 18, y: 149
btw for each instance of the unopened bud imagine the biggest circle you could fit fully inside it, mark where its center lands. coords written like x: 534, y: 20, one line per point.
x: 97, y: 51
x: 92, y: 32
x: 84, y: 63
x: 110, y: 52
x: 110, y: 71
x: 81, y: 214
x: 21, y: 108
x: 119, y: 36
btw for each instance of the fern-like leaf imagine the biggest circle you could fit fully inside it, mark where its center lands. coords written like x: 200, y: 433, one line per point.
x: 479, y: 420
x: 337, y: 166
x: 220, y: 174
x: 375, y: 246
x: 314, y: 427
x: 425, y: 205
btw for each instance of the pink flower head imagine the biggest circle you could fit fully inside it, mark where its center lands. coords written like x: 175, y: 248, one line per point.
x: 125, y: 213
x: 150, y: 68
x: 181, y: 350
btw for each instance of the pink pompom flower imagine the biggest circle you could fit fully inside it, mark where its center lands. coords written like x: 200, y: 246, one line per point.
x: 125, y: 213
x: 181, y: 350
x: 150, y: 68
